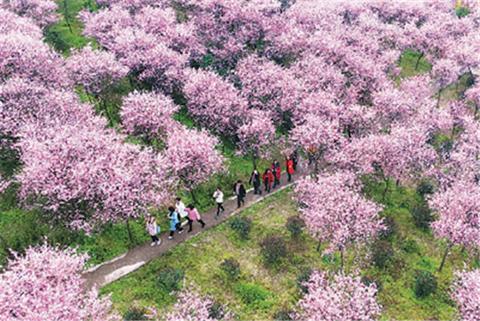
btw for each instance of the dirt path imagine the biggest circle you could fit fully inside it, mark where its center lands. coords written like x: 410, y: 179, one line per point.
x: 124, y: 264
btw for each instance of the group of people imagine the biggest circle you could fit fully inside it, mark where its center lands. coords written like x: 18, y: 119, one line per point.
x: 181, y: 215
x: 178, y: 216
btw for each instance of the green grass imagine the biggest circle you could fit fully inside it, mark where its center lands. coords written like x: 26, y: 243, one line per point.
x: 67, y: 32
x: 261, y: 291
x: 408, y: 62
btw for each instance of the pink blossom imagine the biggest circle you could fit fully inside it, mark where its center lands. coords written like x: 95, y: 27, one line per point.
x: 342, y: 298
x: 148, y: 114
x: 42, y: 11
x: 343, y: 216
x: 192, y: 307
x: 466, y: 293
x: 46, y: 284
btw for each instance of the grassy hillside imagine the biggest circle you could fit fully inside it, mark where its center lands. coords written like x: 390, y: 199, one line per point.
x: 262, y: 291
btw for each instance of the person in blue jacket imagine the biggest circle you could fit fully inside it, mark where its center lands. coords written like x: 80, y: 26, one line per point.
x: 175, y: 223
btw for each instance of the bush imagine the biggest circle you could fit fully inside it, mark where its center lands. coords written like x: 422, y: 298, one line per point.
x: 425, y: 283
x: 295, y: 226
x: 303, y: 278
x: 169, y: 279
x: 135, y: 314
x: 216, y: 311
x: 242, y: 226
x: 462, y: 12
x: 382, y: 254
x: 422, y: 217
x: 368, y: 280
x: 252, y: 294
x: 410, y: 246
x: 425, y: 187
x: 273, y: 249
x: 390, y: 228
x: 283, y: 315
x: 231, y: 268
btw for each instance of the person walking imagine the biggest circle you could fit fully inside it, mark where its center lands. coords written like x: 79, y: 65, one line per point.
x: 268, y: 180
x: 153, y: 230
x: 294, y: 158
x: 175, y: 224
x: 193, y: 215
x: 289, y: 165
x: 240, y: 191
x: 218, y: 196
x: 256, y: 181
x: 277, y: 173
x: 180, y: 209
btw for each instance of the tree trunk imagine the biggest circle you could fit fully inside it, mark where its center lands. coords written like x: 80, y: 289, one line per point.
x: 418, y: 61
x: 397, y: 182
x: 194, y: 197
x: 129, y: 230
x: 319, y: 245
x: 66, y: 15
x: 341, y: 259
x: 439, y: 96
x: 386, y: 189
x: 444, y: 257
x: 254, y: 161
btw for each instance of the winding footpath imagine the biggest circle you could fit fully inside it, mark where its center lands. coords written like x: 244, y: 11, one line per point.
x: 135, y: 258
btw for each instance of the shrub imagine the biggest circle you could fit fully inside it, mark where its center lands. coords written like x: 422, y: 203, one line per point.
x: 425, y: 283
x: 283, y: 315
x: 390, y: 228
x: 252, y: 294
x: 410, y: 246
x: 273, y: 249
x: 369, y: 279
x: 303, y: 278
x: 462, y: 12
x: 425, y: 187
x: 382, y: 253
x: 422, y: 217
x: 216, y: 311
x: 169, y: 279
x: 242, y: 226
x: 295, y: 226
x: 231, y: 268
x: 135, y: 314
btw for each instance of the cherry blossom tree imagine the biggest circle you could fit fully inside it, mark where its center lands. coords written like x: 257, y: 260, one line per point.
x: 458, y: 219
x: 317, y: 136
x: 466, y: 290
x: 344, y: 297
x: 214, y: 102
x: 3, y: 184
x: 343, y: 216
x: 148, y: 115
x: 10, y: 22
x: 257, y: 135
x: 43, y: 12
x: 191, y: 157
x: 46, y: 284
x: 83, y: 176
x: 444, y: 73
x: 191, y: 306
x: 95, y: 70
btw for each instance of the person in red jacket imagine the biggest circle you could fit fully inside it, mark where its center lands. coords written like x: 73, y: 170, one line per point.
x: 277, y: 172
x: 268, y: 180
x: 290, y: 168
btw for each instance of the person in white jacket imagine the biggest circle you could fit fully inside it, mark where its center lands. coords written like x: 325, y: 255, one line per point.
x: 218, y: 196
x: 180, y: 209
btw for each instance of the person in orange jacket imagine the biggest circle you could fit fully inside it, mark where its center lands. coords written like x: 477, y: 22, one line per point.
x: 290, y: 168
x: 277, y: 172
x: 268, y: 180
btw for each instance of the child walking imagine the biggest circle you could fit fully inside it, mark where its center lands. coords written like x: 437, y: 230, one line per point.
x: 175, y: 224
x: 193, y: 215
x: 218, y: 196
x: 153, y: 230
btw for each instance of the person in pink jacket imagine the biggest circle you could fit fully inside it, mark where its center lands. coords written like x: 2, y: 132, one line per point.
x: 193, y: 215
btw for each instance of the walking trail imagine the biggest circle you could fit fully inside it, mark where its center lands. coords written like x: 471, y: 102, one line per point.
x: 135, y: 258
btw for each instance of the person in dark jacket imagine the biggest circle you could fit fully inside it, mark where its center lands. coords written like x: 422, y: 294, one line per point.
x: 277, y: 173
x: 256, y: 181
x: 268, y: 179
x: 294, y: 158
x: 240, y: 191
